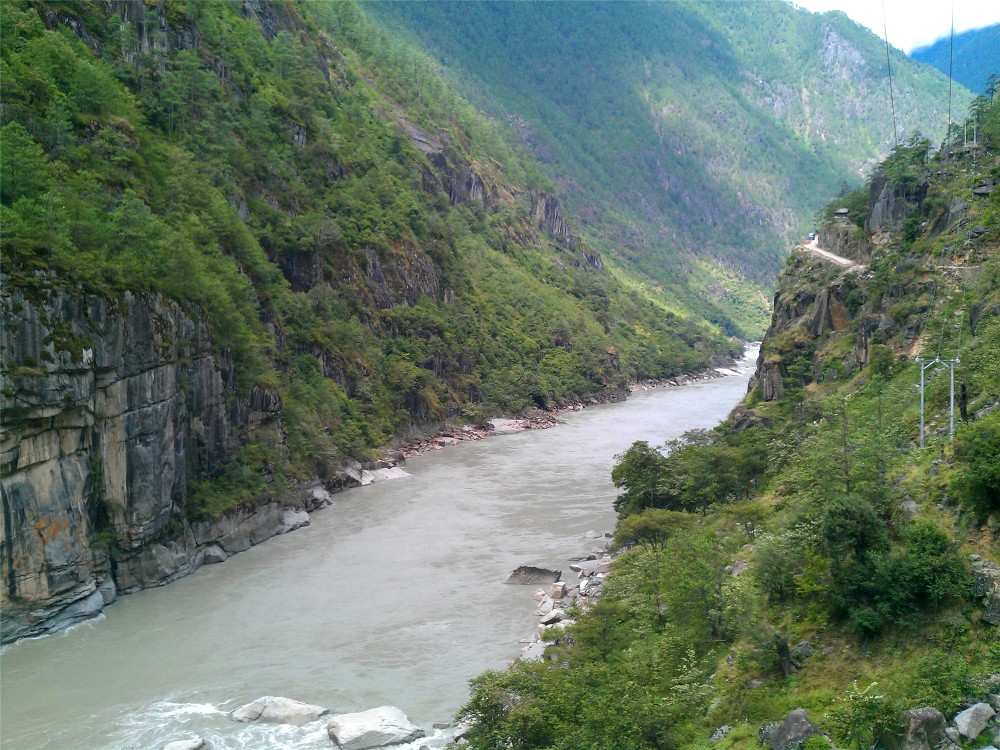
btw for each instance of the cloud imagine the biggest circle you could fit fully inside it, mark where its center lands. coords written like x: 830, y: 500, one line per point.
x: 912, y: 23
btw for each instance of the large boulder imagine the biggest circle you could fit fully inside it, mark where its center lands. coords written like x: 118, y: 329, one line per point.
x: 972, y: 721
x: 924, y: 729
x: 278, y: 710
x: 528, y: 574
x: 792, y: 732
x: 377, y: 727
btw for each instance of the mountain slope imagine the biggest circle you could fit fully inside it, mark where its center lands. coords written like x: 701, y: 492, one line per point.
x: 971, y: 56
x: 245, y: 246
x: 683, y: 136
x: 809, y: 573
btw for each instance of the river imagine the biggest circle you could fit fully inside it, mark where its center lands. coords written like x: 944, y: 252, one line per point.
x: 393, y: 595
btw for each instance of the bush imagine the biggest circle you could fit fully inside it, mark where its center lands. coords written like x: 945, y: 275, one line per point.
x: 862, y: 717
x: 977, y: 484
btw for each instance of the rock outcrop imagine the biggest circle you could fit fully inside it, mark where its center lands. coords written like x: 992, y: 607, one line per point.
x: 972, y: 721
x: 924, y: 729
x: 792, y: 732
x: 109, y: 407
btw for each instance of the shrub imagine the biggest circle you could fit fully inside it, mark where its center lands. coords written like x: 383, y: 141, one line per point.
x: 862, y: 717
x: 977, y: 484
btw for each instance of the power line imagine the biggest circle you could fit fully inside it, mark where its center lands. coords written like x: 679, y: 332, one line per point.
x: 951, y: 60
x: 888, y: 67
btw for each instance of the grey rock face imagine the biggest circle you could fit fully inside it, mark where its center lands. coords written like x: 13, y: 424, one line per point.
x: 972, y: 721
x: 108, y: 407
x: 792, y: 732
x: 292, y: 519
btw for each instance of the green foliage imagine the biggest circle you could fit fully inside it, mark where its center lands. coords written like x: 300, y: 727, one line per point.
x: 271, y: 185
x: 863, y: 717
x: 977, y: 482
x: 702, y: 469
x: 638, y: 471
x: 652, y: 528
x: 939, y: 679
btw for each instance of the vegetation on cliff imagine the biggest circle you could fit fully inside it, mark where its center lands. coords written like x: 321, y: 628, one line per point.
x: 361, y: 242
x: 808, y: 553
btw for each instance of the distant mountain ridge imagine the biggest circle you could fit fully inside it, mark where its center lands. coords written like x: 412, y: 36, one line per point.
x: 692, y: 141
x: 973, y: 58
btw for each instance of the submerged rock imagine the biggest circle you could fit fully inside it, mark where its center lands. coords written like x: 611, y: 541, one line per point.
x: 377, y: 727
x: 278, y: 710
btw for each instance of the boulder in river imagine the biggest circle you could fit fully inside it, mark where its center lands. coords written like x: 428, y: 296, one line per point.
x: 292, y: 519
x: 377, y: 727
x: 278, y: 710
x: 529, y: 574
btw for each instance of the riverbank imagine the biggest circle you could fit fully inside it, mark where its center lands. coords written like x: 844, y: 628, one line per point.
x: 542, y: 419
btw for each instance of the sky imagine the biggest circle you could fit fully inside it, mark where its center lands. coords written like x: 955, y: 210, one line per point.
x: 913, y: 23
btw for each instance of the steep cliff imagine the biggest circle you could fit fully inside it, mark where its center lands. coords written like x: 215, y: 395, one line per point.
x: 110, y: 406
x: 919, y: 233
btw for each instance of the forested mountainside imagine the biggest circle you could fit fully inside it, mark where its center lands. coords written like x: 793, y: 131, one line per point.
x: 691, y: 141
x: 245, y: 244
x: 806, y: 574
x: 970, y: 57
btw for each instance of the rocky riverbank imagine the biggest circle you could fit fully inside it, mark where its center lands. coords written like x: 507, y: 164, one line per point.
x: 559, y: 600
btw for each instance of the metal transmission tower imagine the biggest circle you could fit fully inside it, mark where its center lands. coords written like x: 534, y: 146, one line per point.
x: 924, y: 364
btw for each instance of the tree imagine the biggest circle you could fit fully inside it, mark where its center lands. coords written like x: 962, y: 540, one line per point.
x: 638, y: 472
x: 24, y: 169
x: 652, y: 528
x: 978, y: 480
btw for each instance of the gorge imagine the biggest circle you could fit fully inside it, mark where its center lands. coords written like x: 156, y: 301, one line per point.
x: 394, y: 594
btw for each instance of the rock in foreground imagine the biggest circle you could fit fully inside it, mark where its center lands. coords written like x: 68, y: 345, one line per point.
x: 972, y: 721
x: 377, y: 727
x: 792, y: 732
x: 277, y: 710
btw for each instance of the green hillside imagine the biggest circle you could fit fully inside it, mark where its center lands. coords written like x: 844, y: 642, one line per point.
x: 970, y: 56
x: 361, y: 242
x: 808, y: 554
x: 693, y: 141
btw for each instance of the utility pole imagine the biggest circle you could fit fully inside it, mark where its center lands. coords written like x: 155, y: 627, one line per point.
x: 924, y: 364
